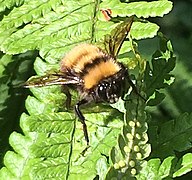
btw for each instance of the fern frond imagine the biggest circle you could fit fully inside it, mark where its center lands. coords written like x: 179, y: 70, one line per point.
x: 10, y: 4
x: 178, y: 138
x: 16, y: 167
x: 5, y: 97
x: 52, y: 26
x: 169, y: 168
x: 140, y: 9
x: 132, y: 147
x: 157, y: 75
x: 144, y: 30
x: 184, y: 165
x: 157, y: 170
x: 13, y: 70
x: 26, y: 13
x: 54, y: 151
x: 35, y: 32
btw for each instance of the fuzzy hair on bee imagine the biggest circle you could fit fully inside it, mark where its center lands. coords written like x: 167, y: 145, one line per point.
x: 93, y: 72
x: 96, y: 69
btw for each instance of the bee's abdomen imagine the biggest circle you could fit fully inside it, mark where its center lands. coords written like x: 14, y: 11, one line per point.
x: 79, y: 56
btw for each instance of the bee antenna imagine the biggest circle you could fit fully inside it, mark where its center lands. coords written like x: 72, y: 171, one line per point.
x: 135, y: 89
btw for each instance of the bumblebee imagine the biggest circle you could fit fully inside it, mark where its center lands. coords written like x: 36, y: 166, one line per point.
x: 93, y: 72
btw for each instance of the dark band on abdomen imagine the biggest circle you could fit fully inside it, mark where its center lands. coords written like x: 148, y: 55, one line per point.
x: 93, y: 64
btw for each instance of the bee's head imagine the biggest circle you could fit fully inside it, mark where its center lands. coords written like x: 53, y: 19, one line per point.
x: 112, y: 88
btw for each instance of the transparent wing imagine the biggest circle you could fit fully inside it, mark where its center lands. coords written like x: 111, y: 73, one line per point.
x: 114, y: 40
x: 51, y: 79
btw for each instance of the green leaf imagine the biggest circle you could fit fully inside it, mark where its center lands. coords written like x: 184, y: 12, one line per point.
x: 155, y: 170
x: 184, y: 166
x: 10, y: 4
x: 140, y: 9
x: 35, y: 26
x: 16, y: 167
x: 142, y: 30
x: 133, y: 146
x: 49, y: 153
x: 102, y: 167
x: 36, y: 35
x: 157, y: 74
x: 156, y: 98
x: 13, y: 71
x: 178, y: 139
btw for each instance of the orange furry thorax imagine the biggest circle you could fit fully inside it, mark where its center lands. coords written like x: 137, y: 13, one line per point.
x: 101, y: 65
x: 100, y: 72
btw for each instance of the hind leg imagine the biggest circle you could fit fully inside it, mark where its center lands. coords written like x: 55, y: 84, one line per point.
x: 82, y: 118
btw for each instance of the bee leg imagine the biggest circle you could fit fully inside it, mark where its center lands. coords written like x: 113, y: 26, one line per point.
x: 82, y: 118
x: 66, y: 91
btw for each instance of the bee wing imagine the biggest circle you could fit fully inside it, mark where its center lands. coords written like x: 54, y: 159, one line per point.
x: 114, y: 41
x: 51, y: 79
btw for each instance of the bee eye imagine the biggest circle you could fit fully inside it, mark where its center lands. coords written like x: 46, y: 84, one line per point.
x: 113, y: 92
x: 101, y: 91
x: 109, y: 91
